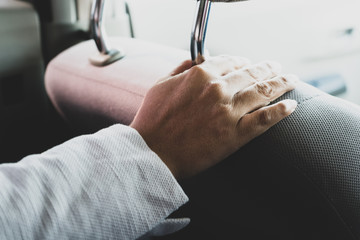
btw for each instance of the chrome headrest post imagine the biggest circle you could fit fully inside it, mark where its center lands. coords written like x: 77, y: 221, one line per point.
x: 106, y: 54
x: 97, y: 31
x: 197, y: 46
x: 199, y: 31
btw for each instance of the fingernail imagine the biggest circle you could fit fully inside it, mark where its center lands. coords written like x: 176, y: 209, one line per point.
x: 291, y: 105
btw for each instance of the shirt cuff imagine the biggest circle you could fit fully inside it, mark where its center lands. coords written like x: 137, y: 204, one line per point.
x: 160, y: 192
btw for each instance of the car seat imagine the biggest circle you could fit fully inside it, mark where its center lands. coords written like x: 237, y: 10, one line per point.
x: 299, y: 180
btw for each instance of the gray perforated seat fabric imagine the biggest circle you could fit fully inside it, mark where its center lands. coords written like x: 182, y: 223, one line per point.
x: 300, y: 180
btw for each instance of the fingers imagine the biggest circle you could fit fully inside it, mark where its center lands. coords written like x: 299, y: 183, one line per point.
x: 263, y: 71
x: 186, y: 65
x: 262, y: 93
x: 182, y: 68
x: 222, y: 65
x: 248, y: 76
x: 259, y: 121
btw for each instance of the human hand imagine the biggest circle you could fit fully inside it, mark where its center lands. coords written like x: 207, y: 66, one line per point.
x: 201, y: 114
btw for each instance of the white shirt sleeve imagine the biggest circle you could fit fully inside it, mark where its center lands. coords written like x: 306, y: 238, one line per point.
x: 108, y: 185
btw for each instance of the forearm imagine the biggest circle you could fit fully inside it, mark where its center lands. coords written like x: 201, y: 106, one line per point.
x: 108, y: 185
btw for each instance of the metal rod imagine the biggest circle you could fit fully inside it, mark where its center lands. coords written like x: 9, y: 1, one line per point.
x: 97, y: 30
x: 199, y: 31
x: 106, y: 55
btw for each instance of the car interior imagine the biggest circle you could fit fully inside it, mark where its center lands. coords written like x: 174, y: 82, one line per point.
x: 73, y: 67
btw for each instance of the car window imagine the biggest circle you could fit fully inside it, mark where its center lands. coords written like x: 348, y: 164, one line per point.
x: 317, y: 39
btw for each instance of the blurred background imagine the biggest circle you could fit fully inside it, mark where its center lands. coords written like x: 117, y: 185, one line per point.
x: 319, y: 40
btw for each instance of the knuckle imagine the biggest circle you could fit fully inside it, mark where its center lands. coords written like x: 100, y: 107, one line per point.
x: 199, y: 74
x: 251, y: 73
x: 265, y: 89
x: 275, y: 84
x: 240, y: 96
x: 265, y: 117
x: 284, y: 80
x: 197, y: 70
x: 233, y: 77
x: 289, y: 79
x: 282, y: 108
x: 216, y: 90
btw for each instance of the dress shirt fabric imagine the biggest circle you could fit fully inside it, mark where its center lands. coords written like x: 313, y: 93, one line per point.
x: 107, y: 185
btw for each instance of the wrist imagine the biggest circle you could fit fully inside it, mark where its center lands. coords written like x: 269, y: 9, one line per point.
x: 153, y: 145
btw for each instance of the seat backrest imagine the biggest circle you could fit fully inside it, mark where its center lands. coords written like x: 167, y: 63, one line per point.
x: 299, y: 180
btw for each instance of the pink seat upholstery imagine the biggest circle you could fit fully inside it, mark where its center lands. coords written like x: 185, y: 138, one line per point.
x: 93, y: 97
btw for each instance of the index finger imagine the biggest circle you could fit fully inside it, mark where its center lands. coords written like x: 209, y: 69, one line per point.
x: 182, y: 68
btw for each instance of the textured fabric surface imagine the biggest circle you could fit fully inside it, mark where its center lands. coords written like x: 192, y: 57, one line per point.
x: 322, y: 139
x: 108, y: 185
x: 300, y: 180
x: 91, y: 97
